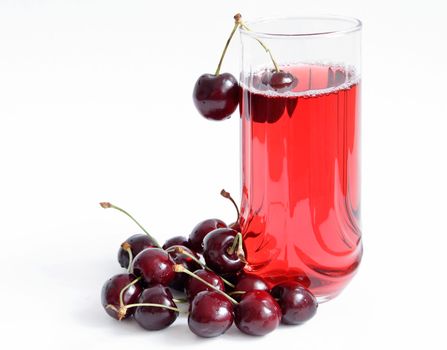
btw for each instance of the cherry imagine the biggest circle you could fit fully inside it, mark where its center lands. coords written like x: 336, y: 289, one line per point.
x: 220, y: 251
x: 177, y: 240
x: 136, y: 244
x: 201, y: 230
x: 210, y: 314
x: 247, y: 283
x: 279, y: 80
x: 190, y: 260
x: 235, y: 225
x: 230, y: 280
x: 297, y: 303
x: 216, y: 96
x: 257, y: 313
x: 113, y: 288
x: 336, y: 77
x: 194, y: 286
x: 156, y: 317
x: 155, y: 266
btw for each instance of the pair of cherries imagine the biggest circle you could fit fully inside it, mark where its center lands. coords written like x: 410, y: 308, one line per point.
x: 216, y: 96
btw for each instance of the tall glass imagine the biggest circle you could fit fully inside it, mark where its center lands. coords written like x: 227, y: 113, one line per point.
x: 300, y: 150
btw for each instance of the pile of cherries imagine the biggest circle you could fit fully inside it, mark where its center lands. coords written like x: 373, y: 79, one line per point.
x: 208, y: 267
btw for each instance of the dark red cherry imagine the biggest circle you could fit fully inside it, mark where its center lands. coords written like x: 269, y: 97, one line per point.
x: 201, y: 230
x: 156, y: 317
x: 216, y: 96
x: 235, y: 226
x: 216, y: 251
x: 257, y: 313
x: 247, y: 283
x: 297, y: 303
x: 279, y: 81
x: 210, y: 314
x: 194, y: 286
x: 180, y: 279
x: 137, y: 243
x: 177, y: 240
x: 155, y: 266
x: 110, y: 294
x: 232, y: 278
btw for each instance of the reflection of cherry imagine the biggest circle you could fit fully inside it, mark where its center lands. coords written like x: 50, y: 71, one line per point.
x: 336, y: 77
x: 266, y: 109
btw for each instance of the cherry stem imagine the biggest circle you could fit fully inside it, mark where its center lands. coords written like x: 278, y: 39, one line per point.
x: 153, y: 305
x: 236, y: 25
x: 237, y: 248
x: 228, y: 283
x: 125, y: 288
x: 227, y: 195
x: 242, y: 24
x: 179, y: 249
x: 181, y: 268
x: 180, y: 301
x: 240, y: 249
x: 237, y: 292
x: 235, y: 244
x: 126, y: 246
x: 107, y: 205
x: 110, y: 306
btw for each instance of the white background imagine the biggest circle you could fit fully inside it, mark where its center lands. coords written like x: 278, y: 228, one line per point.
x: 95, y: 105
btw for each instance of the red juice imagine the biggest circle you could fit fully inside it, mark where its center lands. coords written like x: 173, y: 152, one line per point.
x: 300, y: 179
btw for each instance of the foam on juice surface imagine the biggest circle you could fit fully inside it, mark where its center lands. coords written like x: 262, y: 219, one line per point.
x: 304, y: 72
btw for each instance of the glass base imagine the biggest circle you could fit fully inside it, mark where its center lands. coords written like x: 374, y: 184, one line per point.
x: 325, y: 298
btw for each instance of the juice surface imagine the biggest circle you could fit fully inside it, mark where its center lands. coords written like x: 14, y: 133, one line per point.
x: 300, y: 180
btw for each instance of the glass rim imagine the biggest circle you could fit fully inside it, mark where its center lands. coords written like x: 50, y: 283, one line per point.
x: 356, y: 25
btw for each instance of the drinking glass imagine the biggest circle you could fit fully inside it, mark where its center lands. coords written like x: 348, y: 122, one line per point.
x: 300, y: 144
